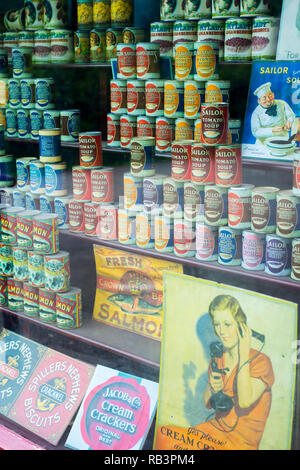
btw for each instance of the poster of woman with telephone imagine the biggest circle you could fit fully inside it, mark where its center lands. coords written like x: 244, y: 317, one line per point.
x: 228, y: 405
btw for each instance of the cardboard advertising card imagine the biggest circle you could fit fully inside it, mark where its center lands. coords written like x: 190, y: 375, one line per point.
x: 231, y: 356
x: 116, y: 413
x: 288, y: 46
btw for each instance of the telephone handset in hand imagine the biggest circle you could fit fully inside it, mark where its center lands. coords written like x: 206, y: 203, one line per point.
x: 255, y: 334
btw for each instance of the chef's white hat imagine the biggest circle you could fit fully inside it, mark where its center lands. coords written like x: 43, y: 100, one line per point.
x: 263, y: 89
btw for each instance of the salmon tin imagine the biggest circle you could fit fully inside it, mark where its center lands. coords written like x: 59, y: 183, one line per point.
x: 206, y: 242
x: 162, y: 33
x: 14, y: 93
x: 20, y: 263
x: 193, y: 98
x: 212, y: 30
x: 238, y: 39
x: 215, y: 205
x: 181, y: 160
x: 221, y: 9
x: 23, y: 172
x: 153, y: 193
x: 132, y: 35
x: 145, y: 230
x: 112, y: 37
x: 295, y: 267
x: 234, y: 131
x: 265, y: 31
x: 171, y: 12
x: 47, y: 204
x: 92, y: 219
x: 214, y: 128
x: 81, y: 46
x: 6, y: 260
x: 136, y: 97
x: 253, y: 250
x: 126, y: 61
x: 42, y: 47
x: 51, y: 119
x: 31, y: 300
x: 45, y: 233
x: 47, y: 305
x: 133, y: 191
x: 184, y: 31
x: 102, y: 185
x: 108, y: 222
x: 239, y: 206
x: 145, y: 126
x: 69, y: 309
x: 173, y: 198
x: 128, y: 129
x: 193, y: 201
x: 44, y: 93
x: 57, y: 271
x: 174, y: 98
x: 259, y: 7
x: 62, y: 46
x: 202, y: 163
x: 206, y: 59
x: 76, y: 215
x: 55, y: 179
x: 197, y: 10
x: 228, y: 165
x: 164, y: 234
x: 15, y: 295
x: 36, y: 123
x: 164, y: 134
x: 27, y: 87
x: 183, y: 53
x: 97, y: 45
x: 263, y: 209
x: 25, y: 228
x: 11, y: 128
x: 118, y: 96
x: 113, y: 130
x: 184, y: 238
x: 142, y: 153
x: 49, y: 142
x: 147, y: 61
x: 217, y: 91
x: 90, y: 149
x: 3, y: 291
x: 22, y: 62
x: 278, y: 255
x: 296, y: 173
x: 69, y: 125
x: 287, y: 214
x: 36, y: 275
x: 37, y: 176
x: 154, y: 97
x: 184, y: 129
x: 81, y: 179
x: 229, y: 246
x: 23, y: 118
x: 127, y: 226
x: 9, y: 219
x: 61, y: 209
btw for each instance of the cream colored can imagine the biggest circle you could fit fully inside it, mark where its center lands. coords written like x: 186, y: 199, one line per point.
x: 287, y: 214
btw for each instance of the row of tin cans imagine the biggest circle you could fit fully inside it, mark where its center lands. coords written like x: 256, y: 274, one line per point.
x: 27, y: 93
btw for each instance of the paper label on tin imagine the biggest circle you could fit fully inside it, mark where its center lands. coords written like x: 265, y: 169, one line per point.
x: 45, y: 237
x: 183, y: 62
x: 239, y: 209
x: 214, y: 129
x: 206, y: 243
x: 164, y: 237
x: 215, y: 206
x: 287, y: 216
x: 253, y: 251
x: 154, y: 98
x: 278, y: 255
x: 296, y: 259
x: 184, y: 238
x: 205, y: 61
x: 202, y: 164
x: 181, y: 161
x: 173, y: 100
x: 228, y: 166
x: 126, y: 61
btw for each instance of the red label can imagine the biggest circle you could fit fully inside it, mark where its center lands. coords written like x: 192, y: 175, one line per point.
x: 81, y: 178
x: 113, y: 130
x: 102, y: 185
x: 135, y: 97
x: 181, y: 160
x: 90, y: 149
x: 154, y: 97
x: 128, y: 128
x: 228, y: 165
x: 202, y: 164
x: 145, y: 126
x: 126, y: 61
x: 164, y: 133
x: 76, y: 216
x: 92, y: 219
x: 118, y: 96
x: 214, y: 123
x: 109, y: 222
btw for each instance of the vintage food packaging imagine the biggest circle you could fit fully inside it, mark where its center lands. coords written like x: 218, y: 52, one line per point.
x: 265, y: 31
x: 49, y: 143
x: 128, y: 129
x: 69, y: 309
x: 206, y: 242
x: 113, y: 130
x: 181, y: 160
x: 127, y: 226
x: 61, y: 209
x: 193, y: 201
x: 173, y: 198
x: 118, y: 96
x: 229, y: 246
x: 101, y: 13
x: 144, y: 230
x: 11, y: 122
x: 9, y: 219
x: 214, y: 129
x: 44, y: 93
x: 25, y: 228
x: 221, y: 9
x: 228, y: 165
x: 42, y: 47
x: 287, y: 214
x: 263, y: 209
x: 31, y: 300
x: 90, y: 149
x: 133, y: 191
x: 153, y: 193
x: 56, y: 179
x: 136, y: 97
x: 81, y: 46
x: 97, y: 45
x: 184, y: 238
x: 174, y: 98
x: 36, y: 123
x: 142, y: 153
x: 62, y: 46
x: 212, y: 30
x: 206, y: 60
x: 37, y: 176
x: 295, y: 271
x: 145, y: 126
x: 296, y: 173
x: 239, y: 206
x: 195, y: 11
x: 162, y: 33
x: 132, y: 35
x: 202, y: 163
x: 164, y: 133
x: 112, y: 37
x: 92, y: 219
x: 163, y: 234
x: 3, y: 291
x: 253, y: 250
x: 23, y: 118
x: 70, y: 125
x: 215, y: 205
x: 36, y: 274
x: 171, y: 11
x: 22, y: 62
x: 184, y: 31
x: 15, y: 295
x: 47, y: 305
x: 57, y: 271
x: 23, y: 172
x: 108, y: 222
x: 6, y: 260
x: 126, y: 61
x: 45, y: 233
x: 147, y: 61
x: 20, y: 263
x: 184, y: 53
x: 76, y: 215
x: 27, y: 87
x: 217, y: 91
x: 154, y: 97
x: 102, y: 185
x: 81, y: 180
x: 278, y: 255
x: 238, y: 39
x: 259, y: 7
x: 121, y: 13
x: 193, y: 98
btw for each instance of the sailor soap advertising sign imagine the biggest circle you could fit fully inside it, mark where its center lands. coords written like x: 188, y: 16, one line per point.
x: 116, y: 413
x: 272, y: 121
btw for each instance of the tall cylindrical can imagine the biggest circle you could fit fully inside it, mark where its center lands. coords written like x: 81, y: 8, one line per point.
x: 287, y: 214
x: 69, y: 309
x: 212, y: 30
x: 127, y: 226
x: 184, y: 238
x: 46, y: 204
x: 228, y: 165
x: 23, y: 172
x: 108, y: 222
x: 31, y: 300
x: 145, y: 126
x: 45, y: 233
x: 175, y: 12
x: 136, y: 97
x: 113, y: 38
x: 215, y: 205
x: 260, y: 7
x: 162, y: 33
x: 142, y: 154
x: 239, y: 206
x: 15, y: 295
x: 14, y: 93
x: 196, y: 11
x: 147, y: 61
x: 118, y: 96
x: 206, y: 242
x: 238, y: 39
x: 44, y: 93
x: 61, y: 209
x: 193, y: 201
x: 164, y: 133
x: 145, y: 230
x: 36, y: 122
x: 4, y: 96
x: 126, y: 61
x: 9, y: 219
x: 6, y: 260
x: 32, y: 201
x: 47, y: 305
x: 253, y: 250
x: 173, y: 198
x: 20, y: 262
x: 11, y: 122
x: 76, y: 215
x: 184, y: 54
x: 202, y: 163
x: 36, y: 275
x: 163, y: 234
x: 221, y: 9
x: 206, y: 59
x: 133, y: 191
x: 295, y: 271
x: 62, y: 46
x: 101, y: 13
x: 184, y: 31
x: 22, y: 62
x: 27, y: 87
x: 132, y: 35
x: 214, y: 129
x: 92, y: 219
x: 193, y: 98
x: 102, y: 185
x: 25, y: 228
x: 85, y: 14
x: 69, y: 125
x: 57, y: 271
x: 51, y: 119
x: 81, y: 182
x: 263, y: 209
x: 113, y: 130
x: 42, y: 47
x: 278, y: 255
x: 37, y: 176
x: 128, y: 129
x: 23, y: 118
x: 81, y: 46
x: 184, y: 129
x: 229, y: 246
x: 90, y: 149
x: 55, y: 179
x: 265, y: 31
x: 34, y: 17
x: 3, y: 291
x: 49, y: 144
x: 217, y: 91
x: 181, y: 160
x: 173, y: 99
x: 154, y: 97
x: 97, y: 45
x: 153, y: 193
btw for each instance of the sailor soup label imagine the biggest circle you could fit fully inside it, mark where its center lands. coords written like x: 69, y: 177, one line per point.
x: 214, y: 130
x: 202, y: 164
x: 228, y: 165
x: 181, y: 161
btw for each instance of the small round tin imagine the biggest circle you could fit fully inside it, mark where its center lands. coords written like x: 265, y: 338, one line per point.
x: 287, y: 214
x: 136, y: 97
x: 20, y: 263
x: 173, y: 198
x: 25, y: 228
x: 206, y: 242
x: 81, y: 179
x: 278, y: 255
x: 154, y: 97
x: 133, y: 191
x: 76, y: 216
x: 61, y: 209
x: 164, y: 133
x: 127, y: 226
x: 263, y: 209
x: 27, y: 87
x: 47, y: 305
x: 163, y: 234
x: 147, y: 61
x: 69, y: 309
x: 23, y: 172
x: 173, y: 99
x: 206, y: 59
x: 126, y: 61
x: 253, y: 250
x: 55, y: 179
x: 9, y: 219
x: 184, y: 238
x: 118, y: 96
x: 142, y: 153
x: 6, y: 260
x: 31, y: 300
x: 57, y: 271
x: 36, y: 275
x: 229, y: 246
x: 90, y: 149
x: 44, y: 93
x: 102, y: 185
x: 215, y: 205
x: 202, y: 163
x: 239, y: 206
x: 69, y: 125
x: 113, y: 130
x: 92, y: 219
x: 15, y: 295
x: 45, y: 233
x: 144, y: 230
x: 36, y: 123
x: 49, y: 144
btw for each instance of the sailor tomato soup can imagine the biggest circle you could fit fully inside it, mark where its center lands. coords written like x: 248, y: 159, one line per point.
x: 145, y: 126
x: 136, y: 97
x: 214, y: 123
x: 253, y: 250
x: 147, y: 60
x: 229, y: 246
x: 128, y: 129
x: 133, y: 191
x: 69, y: 309
x: 15, y: 295
x: 126, y: 61
x: 215, y: 205
x: 127, y: 226
x: 184, y: 129
x: 217, y: 91
x: 118, y: 96
x: 239, y: 206
x: 49, y: 145
x: 20, y: 263
x: 142, y: 155
x: 102, y: 185
x: 31, y: 300
x: 184, y: 238
x: 154, y: 97
x: 92, y: 219
x: 47, y: 305
x: 263, y: 209
x: 184, y: 52
x: 9, y: 220
x: 181, y: 160
x: 90, y: 149
x: 25, y: 228
x: 113, y: 130
x: 55, y: 179
x: 163, y: 234
x: 164, y: 134
x: 76, y: 215
x: 202, y: 164
x: 45, y: 233
x: 206, y: 60
x: 57, y: 271
x: 81, y: 179
x: 206, y: 242
x: 6, y: 260
x: 295, y: 270
x: 37, y: 176
x: 36, y: 275
x: 193, y: 201
x: 287, y: 214
x: 193, y: 98
x: 228, y: 165
x: 278, y: 255
x: 174, y: 99
x: 61, y: 209
x: 153, y: 193
x: 173, y: 198
x: 3, y: 291
x: 108, y: 222
x: 145, y: 230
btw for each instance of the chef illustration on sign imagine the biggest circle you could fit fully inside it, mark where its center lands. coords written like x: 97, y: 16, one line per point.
x: 272, y: 117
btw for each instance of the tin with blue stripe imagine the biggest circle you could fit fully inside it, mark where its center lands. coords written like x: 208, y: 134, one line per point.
x: 229, y: 246
x: 47, y: 204
x: 44, y: 93
x: 37, y: 176
x: 51, y: 119
x: 32, y: 201
x: 23, y: 172
x: 55, y: 179
x: 36, y: 123
x: 23, y: 118
x: 61, y: 207
x: 11, y: 122
x: 27, y: 87
x: 2, y: 144
x: 14, y: 93
x: 19, y: 198
x: 50, y: 149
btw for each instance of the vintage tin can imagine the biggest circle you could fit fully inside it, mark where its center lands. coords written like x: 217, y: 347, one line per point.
x: 133, y: 191
x: 9, y: 219
x: 2, y: 142
x: 173, y: 99
x: 239, y: 206
x: 206, y: 242
x: 184, y: 238
x: 198, y: 10
x: 126, y: 61
x: 25, y: 228
x: 145, y: 126
x: 265, y: 31
x: 181, y: 160
x: 296, y: 173
x: 230, y: 246
x: 234, y: 131
x: 97, y: 45
x: 23, y: 118
x: 61, y: 209
x: 193, y: 98
x: 76, y: 215
x: 69, y: 309
x: 295, y: 261
x: 238, y: 39
x: 162, y: 33
x: 278, y: 255
x: 55, y: 14
x: 4, y: 98
x: 19, y: 198
x: 287, y: 214
x: 253, y: 250
x: 145, y: 230
x: 6, y: 260
x: 128, y: 129
x: 81, y: 181
x: 14, y: 93
x: 113, y: 130
x: 132, y: 35
x: 57, y: 271
x: 260, y: 7
x: 49, y: 144
x: 228, y: 165
x: 101, y: 13
x: 136, y: 97
x: 147, y: 61
x: 183, y: 53
x: 193, y: 201
x: 46, y: 204
x: 61, y: 46
x: 26, y: 39
x: 31, y: 300
x: 7, y: 170
x: 118, y: 96
x: 51, y: 119
x: 214, y: 118
x: 184, y: 31
x: 90, y: 149
x: 6, y: 198
x: 153, y: 193
x: 34, y: 15
x: 127, y: 226
x: 23, y: 172
x: 206, y: 60
x: 22, y: 62
x: 42, y: 47
x: 171, y: 12
x: 263, y: 209
x: 3, y: 291
x: 47, y: 306
x: 121, y: 15
x: 37, y: 176
x: 45, y: 233
x: 32, y: 201
x: 44, y: 93
x: 36, y: 275
x: 217, y: 91
x: 69, y: 125
x: 142, y: 153
x: 221, y: 9
x: 4, y: 70
x: 11, y: 129
x: 27, y: 87
x: 202, y: 163
x: 15, y: 295
x: 92, y: 219
x: 212, y: 30
x: 102, y: 185
x: 173, y: 198
x: 154, y: 97
x: 184, y: 129
x: 108, y: 222
x: 20, y: 263
x: 164, y: 133
x: 112, y: 37
x: 81, y: 46
x: 55, y: 179
x: 215, y: 205
x: 10, y: 40
x: 36, y: 123
x: 163, y: 234
x: 85, y: 14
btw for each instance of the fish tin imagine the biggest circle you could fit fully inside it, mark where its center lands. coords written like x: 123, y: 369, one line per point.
x: 197, y: 10
x: 112, y: 37
x: 3, y: 205
x: 228, y: 165
x: 81, y: 179
x: 287, y: 214
x: 229, y: 246
x: 69, y: 309
x: 25, y: 228
x: 184, y: 238
x: 193, y: 201
x: 56, y: 179
x: 253, y: 250
x: 49, y: 144
x: 108, y: 222
x: 102, y: 185
x: 265, y: 30
x: 42, y: 47
x: 31, y: 300
x: 90, y: 149
x: 101, y: 13
x: 36, y: 274
x: 22, y: 62
x: 32, y: 201
x: 212, y: 30
x: 296, y: 173
x: 217, y: 91
x: 163, y: 234
x: 239, y: 206
x: 202, y: 163
x: 9, y: 219
x: 7, y: 170
x: 23, y: 118
x: 61, y: 209
x: 153, y: 193
x: 14, y: 93
x: 92, y: 219
x: 51, y: 119
x: 57, y: 272
x: 183, y: 53
x: 184, y: 129
x: 133, y: 191
x: 11, y: 129
x: 44, y: 93
x: 47, y: 204
x: 113, y: 130
x: 15, y: 295
x: 61, y: 46
x: 81, y: 47
x: 97, y: 45
x: 145, y: 126
x: 214, y: 128
x: 128, y: 129
x: 37, y: 176
x: 147, y: 61
x: 127, y: 226
x: 3, y: 291
x: 238, y: 39
x: 20, y: 263
x: 136, y: 97
x: 173, y: 198
x: 171, y: 11
x: 6, y: 260
x: 221, y: 9
x: 132, y: 35
x: 181, y: 160
x: 234, y: 131
x: 27, y: 87
x: 4, y: 98
x: 162, y: 33
x: 154, y: 97
x: 278, y: 255
x: 47, y: 305
x: 206, y: 61
x: 23, y: 172
x: 118, y: 96
x: 76, y: 215
x: 206, y: 242
x: 174, y: 98
x: 142, y: 153
x: 69, y: 125
x: 85, y: 14
x: 215, y: 205
x: 36, y: 123
x: 45, y: 233
x: 126, y: 61
x: 19, y: 198
x: 145, y: 230
x: 193, y: 98
x: 263, y: 209
x: 164, y: 134
x: 259, y: 7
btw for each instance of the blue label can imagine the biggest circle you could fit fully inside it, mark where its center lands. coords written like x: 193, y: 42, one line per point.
x: 55, y: 179
x: 36, y: 123
x: 27, y: 87
x: 22, y: 62
x: 2, y: 144
x: 44, y: 93
x: 14, y: 93
x: 47, y: 204
x: 32, y: 202
x: 278, y: 255
x: 51, y: 119
x: 23, y: 118
x: 7, y: 171
x: 11, y: 122
x: 37, y: 176
x: 61, y: 207
x: 19, y: 198
x: 230, y: 246
x: 23, y: 172
x: 50, y: 150
x: 70, y: 125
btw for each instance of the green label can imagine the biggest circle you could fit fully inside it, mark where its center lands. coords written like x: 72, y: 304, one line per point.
x: 81, y: 46
x: 112, y: 38
x: 254, y: 8
x: 47, y: 306
x: 46, y: 233
x: 69, y: 309
x: 121, y: 13
x: 42, y: 47
x: 57, y: 271
x: 15, y: 295
x: 34, y: 14
x: 24, y: 228
x: 3, y: 291
x: 6, y: 260
x: 228, y: 9
x: 62, y: 46
x: 20, y: 263
x: 31, y: 300
x: 97, y: 45
x: 36, y: 275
